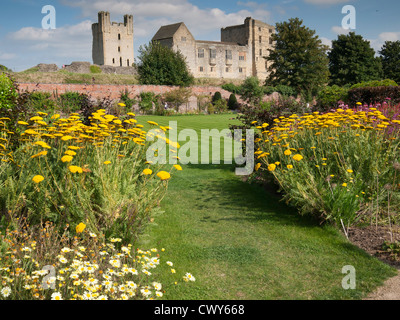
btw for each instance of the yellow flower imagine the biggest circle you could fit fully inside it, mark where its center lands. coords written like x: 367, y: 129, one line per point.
x: 66, y: 158
x: 178, y: 167
x: 122, y: 104
x: 297, y: 157
x: 349, y: 171
x: 75, y: 169
x: 153, y: 123
x: 271, y: 167
x: 66, y: 138
x: 344, y: 185
x: 289, y: 166
x: 80, y: 227
x: 147, y: 171
x: 258, y: 165
x: 37, y: 178
x: 163, y: 175
x: 42, y: 153
x: 107, y: 162
x: 23, y: 123
x: 287, y: 152
x: 131, y: 114
x: 70, y: 153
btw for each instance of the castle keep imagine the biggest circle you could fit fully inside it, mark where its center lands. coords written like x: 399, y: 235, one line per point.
x: 238, y: 55
x: 112, y: 42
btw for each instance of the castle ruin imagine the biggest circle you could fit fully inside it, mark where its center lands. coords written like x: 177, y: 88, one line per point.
x: 112, y: 42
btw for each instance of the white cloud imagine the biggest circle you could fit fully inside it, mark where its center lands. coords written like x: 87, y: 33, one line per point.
x: 340, y: 30
x: 326, y: 2
x: 384, y: 36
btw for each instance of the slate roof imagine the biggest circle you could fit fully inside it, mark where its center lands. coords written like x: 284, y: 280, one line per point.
x: 167, y: 31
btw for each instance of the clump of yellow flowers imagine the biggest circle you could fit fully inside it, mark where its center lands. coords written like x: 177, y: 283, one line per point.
x: 339, y: 166
x: 68, y: 172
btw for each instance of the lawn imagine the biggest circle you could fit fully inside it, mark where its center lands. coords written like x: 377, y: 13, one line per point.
x: 241, y: 242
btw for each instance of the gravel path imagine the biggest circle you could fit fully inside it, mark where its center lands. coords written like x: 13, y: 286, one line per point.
x: 389, y: 291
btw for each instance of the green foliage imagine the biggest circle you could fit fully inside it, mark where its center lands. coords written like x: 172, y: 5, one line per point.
x: 129, y: 102
x: 160, y: 65
x: 329, y: 96
x: 374, y: 83
x: 178, y: 96
x: 147, y: 100
x: 232, y: 102
x: 298, y: 59
x: 372, y: 95
x: 251, y: 91
x: 352, y: 60
x: 231, y: 88
x: 8, y: 92
x: 95, y: 69
x: 217, y: 96
x: 4, y: 68
x: 390, y: 57
x: 69, y: 102
x: 41, y: 101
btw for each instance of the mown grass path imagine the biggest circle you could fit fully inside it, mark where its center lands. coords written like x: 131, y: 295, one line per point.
x: 241, y: 242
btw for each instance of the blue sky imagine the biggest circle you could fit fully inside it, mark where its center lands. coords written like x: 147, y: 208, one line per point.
x: 24, y: 43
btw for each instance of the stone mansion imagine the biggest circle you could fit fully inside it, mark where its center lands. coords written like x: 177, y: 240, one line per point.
x: 238, y: 55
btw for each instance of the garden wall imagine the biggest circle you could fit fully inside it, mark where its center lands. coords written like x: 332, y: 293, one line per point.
x: 99, y: 91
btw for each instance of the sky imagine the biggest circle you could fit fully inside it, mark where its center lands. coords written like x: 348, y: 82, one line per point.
x: 24, y: 42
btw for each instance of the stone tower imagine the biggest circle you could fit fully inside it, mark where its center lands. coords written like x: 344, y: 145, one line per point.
x: 256, y: 35
x: 112, y: 42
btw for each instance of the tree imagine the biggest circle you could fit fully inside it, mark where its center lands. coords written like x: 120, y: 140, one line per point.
x: 390, y: 57
x: 298, y: 59
x: 251, y: 91
x: 160, y: 65
x: 352, y: 60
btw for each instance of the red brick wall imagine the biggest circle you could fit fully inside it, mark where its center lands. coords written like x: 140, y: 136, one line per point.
x: 112, y: 91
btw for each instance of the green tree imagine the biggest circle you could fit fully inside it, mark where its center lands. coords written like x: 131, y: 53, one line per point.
x: 352, y: 60
x: 390, y: 57
x: 298, y: 59
x: 160, y: 65
x: 251, y: 91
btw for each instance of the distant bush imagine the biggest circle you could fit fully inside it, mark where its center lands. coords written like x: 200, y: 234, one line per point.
x: 71, y: 101
x: 95, y: 69
x: 374, y: 83
x: 372, y: 95
x: 4, y: 68
x: 41, y: 101
x: 329, y: 97
x: 232, y: 88
x: 217, y: 96
x: 232, y: 102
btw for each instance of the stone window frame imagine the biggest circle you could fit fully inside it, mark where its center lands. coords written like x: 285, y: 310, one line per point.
x: 242, y: 56
x: 200, y: 53
x: 228, y: 54
x: 213, y: 53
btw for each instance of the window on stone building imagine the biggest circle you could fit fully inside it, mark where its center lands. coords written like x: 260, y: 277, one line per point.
x: 240, y: 70
x: 183, y: 39
x: 270, y: 30
x: 119, y: 49
x: 270, y: 40
x: 113, y: 60
x: 201, y: 69
x: 200, y: 53
x: 127, y: 62
x: 260, y: 52
x: 213, y: 53
x: 260, y: 39
x: 228, y: 54
x: 242, y: 56
x: 119, y: 36
x: 227, y: 69
x: 212, y: 69
x: 120, y: 61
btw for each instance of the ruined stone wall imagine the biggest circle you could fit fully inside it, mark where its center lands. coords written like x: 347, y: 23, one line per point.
x: 113, y: 42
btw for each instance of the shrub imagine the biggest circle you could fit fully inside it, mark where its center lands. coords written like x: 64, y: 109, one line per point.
x: 374, y: 83
x: 232, y: 102
x: 8, y: 92
x: 231, y: 88
x: 41, y: 101
x: 330, y: 97
x: 147, y: 100
x: 339, y: 167
x: 70, y: 102
x: 178, y: 96
x: 95, y: 69
x: 216, y: 97
x: 372, y: 95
